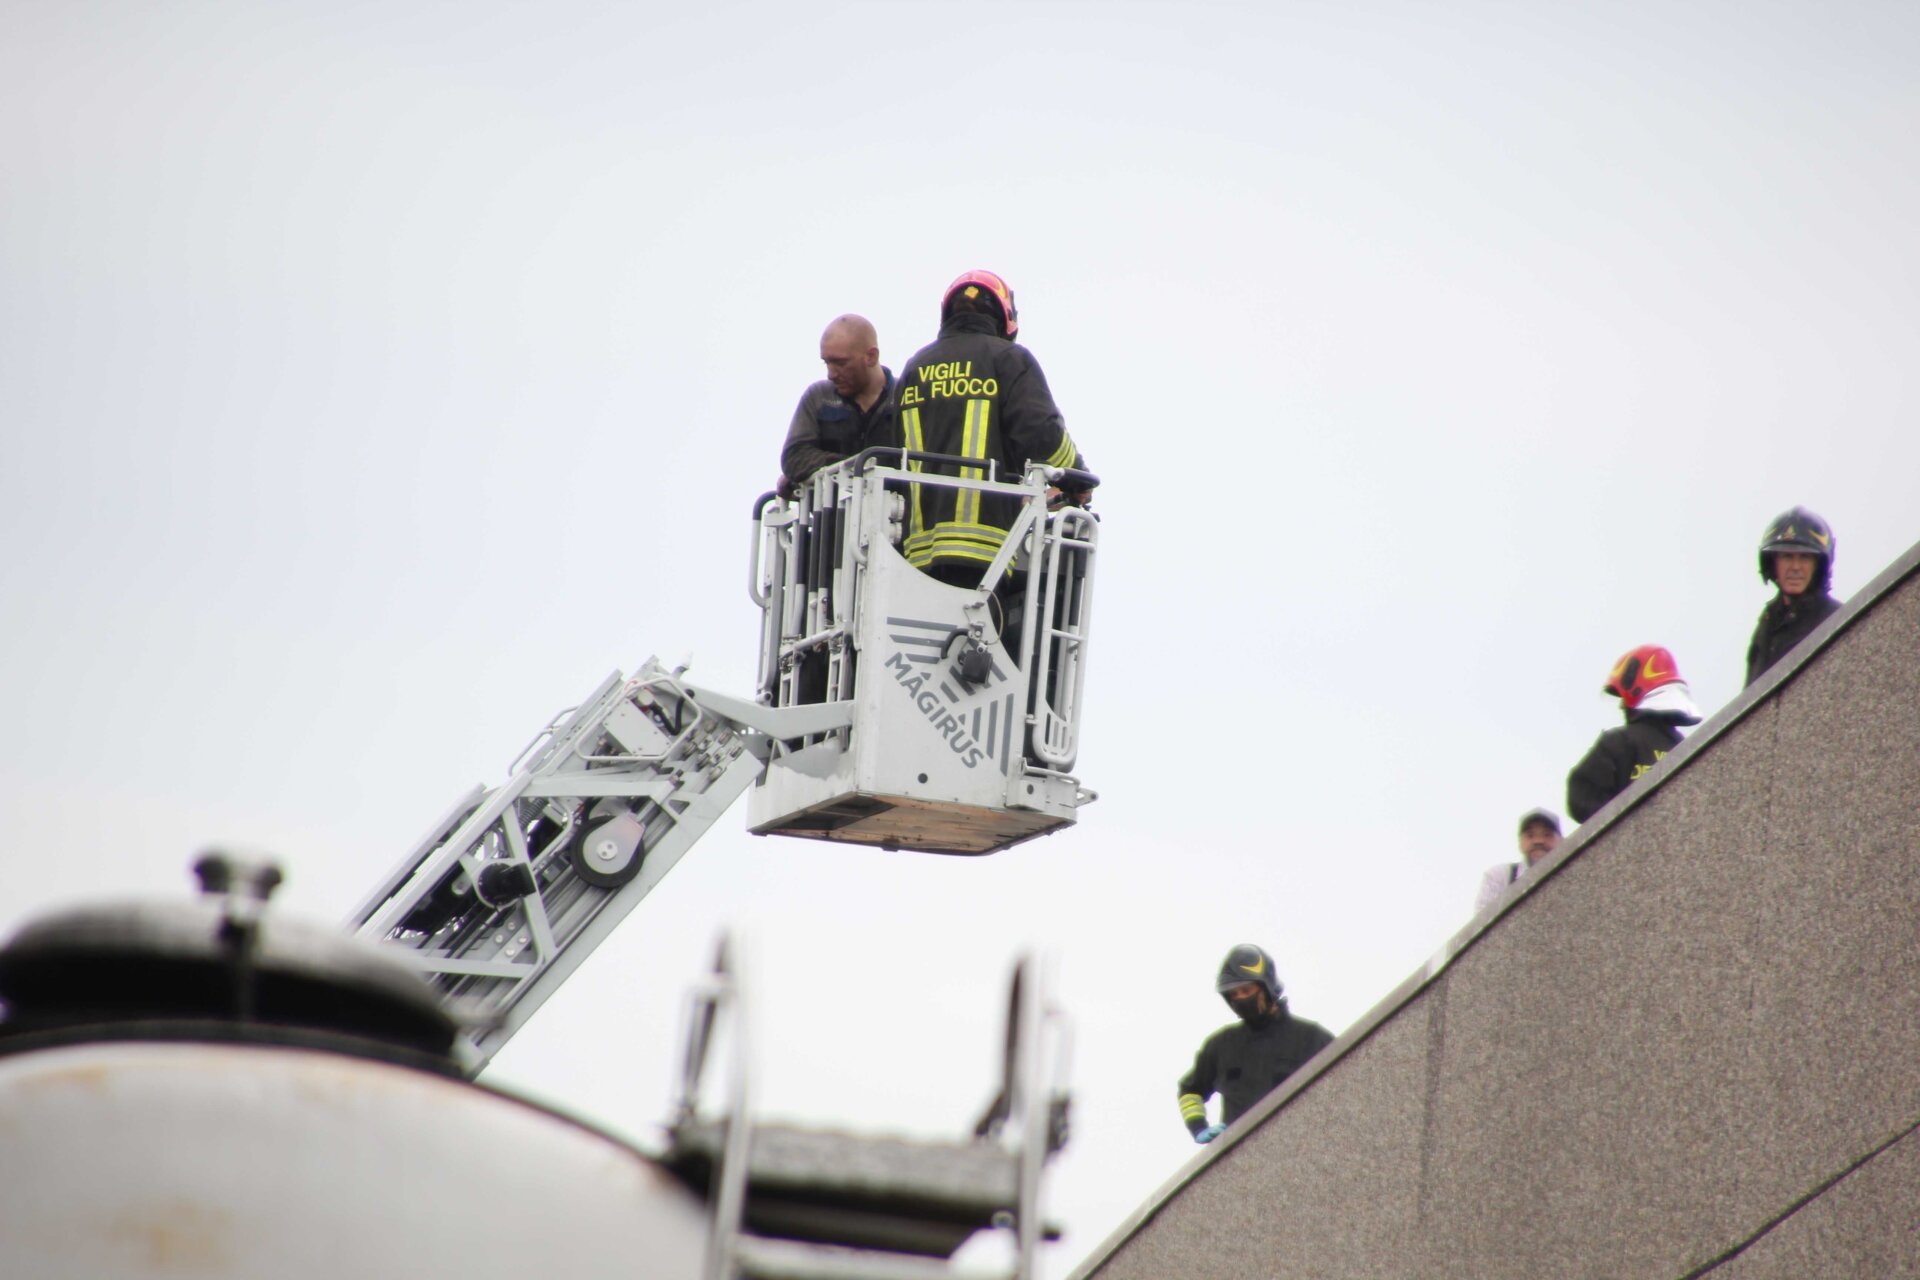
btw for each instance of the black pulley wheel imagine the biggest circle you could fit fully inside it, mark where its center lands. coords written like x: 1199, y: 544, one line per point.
x: 606, y: 849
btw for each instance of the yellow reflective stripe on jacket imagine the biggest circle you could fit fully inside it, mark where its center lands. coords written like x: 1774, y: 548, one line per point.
x: 973, y: 444
x: 955, y: 540
x: 956, y: 534
x: 916, y: 443
x: 916, y: 439
x: 1066, y: 455
x: 965, y: 536
x: 1193, y: 1107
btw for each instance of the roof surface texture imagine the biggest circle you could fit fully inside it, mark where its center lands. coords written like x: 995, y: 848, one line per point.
x: 1687, y: 1046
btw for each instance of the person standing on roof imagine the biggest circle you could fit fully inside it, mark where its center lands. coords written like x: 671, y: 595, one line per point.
x: 1539, y: 836
x: 1656, y: 702
x: 1796, y: 555
x: 1246, y: 1061
x: 975, y: 393
x: 843, y: 413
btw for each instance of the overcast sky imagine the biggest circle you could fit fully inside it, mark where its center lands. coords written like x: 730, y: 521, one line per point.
x: 375, y: 378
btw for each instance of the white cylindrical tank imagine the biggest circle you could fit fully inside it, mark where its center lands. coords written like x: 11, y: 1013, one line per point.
x: 175, y: 1160
x: 198, y: 1090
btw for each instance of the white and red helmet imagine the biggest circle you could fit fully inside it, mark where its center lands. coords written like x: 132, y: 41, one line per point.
x: 1648, y: 679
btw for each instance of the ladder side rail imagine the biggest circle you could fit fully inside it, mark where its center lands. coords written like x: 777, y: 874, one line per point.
x: 810, y: 582
x: 1031, y: 1098
x: 772, y: 1259
x: 597, y: 784
x: 845, y: 593
x: 540, y: 925
x: 458, y: 850
x: 836, y: 501
x: 826, y: 514
x: 721, y: 994
x: 511, y: 972
x: 756, y: 568
x: 404, y: 869
x: 814, y: 605
x: 843, y: 586
x: 765, y: 583
x: 569, y: 905
x: 703, y: 1011
x: 454, y: 956
x: 821, y: 539
x: 607, y: 914
x: 781, y: 624
x: 1032, y: 658
x: 793, y: 598
x: 730, y: 1177
x: 1064, y: 610
x: 557, y: 919
x: 1080, y: 551
x: 437, y: 865
x: 1043, y: 738
x: 430, y: 870
x: 421, y: 871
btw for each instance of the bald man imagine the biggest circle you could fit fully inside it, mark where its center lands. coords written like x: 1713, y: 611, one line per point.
x: 848, y: 410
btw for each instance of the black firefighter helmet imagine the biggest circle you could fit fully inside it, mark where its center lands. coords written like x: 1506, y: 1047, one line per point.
x: 1798, y: 530
x: 1248, y: 963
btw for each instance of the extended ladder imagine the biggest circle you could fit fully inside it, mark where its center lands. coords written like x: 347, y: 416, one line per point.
x: 514, y: 887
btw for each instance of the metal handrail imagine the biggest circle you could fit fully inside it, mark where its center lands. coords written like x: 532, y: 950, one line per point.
x: 1083, y: 479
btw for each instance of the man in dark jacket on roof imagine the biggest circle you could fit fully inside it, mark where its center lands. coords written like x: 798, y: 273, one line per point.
x: 848, y: 410
x: 975, y: 393
x: 1656, y: 702
x: 1245, y: 1062
x: 1796, y: 555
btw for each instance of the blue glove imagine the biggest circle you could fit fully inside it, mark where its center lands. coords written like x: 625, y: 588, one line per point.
x: 1209, y: 1133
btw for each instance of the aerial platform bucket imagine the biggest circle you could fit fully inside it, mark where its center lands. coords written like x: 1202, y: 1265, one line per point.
x: 964, y: 700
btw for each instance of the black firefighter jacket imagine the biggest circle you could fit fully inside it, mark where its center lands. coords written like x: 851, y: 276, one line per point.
x: 1784, y: 623
x: 1246, y: 1061
x: 1617, y: 758
x: 972, y: 393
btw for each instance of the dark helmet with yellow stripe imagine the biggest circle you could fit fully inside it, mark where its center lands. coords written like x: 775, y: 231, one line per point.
x: 1248, y: 963
x: 1798, y: 530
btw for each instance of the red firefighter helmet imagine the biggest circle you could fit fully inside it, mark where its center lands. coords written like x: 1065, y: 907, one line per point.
x: 1639, y: 673
x: 975, y: 283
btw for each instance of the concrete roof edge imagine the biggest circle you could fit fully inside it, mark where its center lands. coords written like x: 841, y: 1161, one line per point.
x: 1721, y: 722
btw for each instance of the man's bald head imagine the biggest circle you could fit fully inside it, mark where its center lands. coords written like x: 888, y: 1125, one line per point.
x: 857, y: 329
x: 851, y: 351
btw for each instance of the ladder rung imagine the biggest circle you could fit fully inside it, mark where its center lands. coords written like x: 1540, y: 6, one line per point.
x: 758, y: 1258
